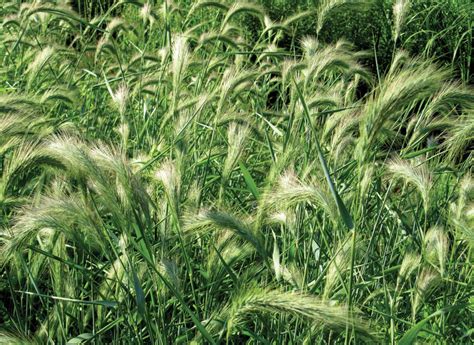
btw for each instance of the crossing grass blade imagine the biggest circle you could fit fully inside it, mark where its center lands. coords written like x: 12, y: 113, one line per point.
x: 346, y: 217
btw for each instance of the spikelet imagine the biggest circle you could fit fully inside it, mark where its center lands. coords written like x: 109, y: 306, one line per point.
x: 408, y: 82
x: 232, y: 82
x: 310, y: 46
x: 236, y: 137
x: 145, y: 10
x: 436, y: 248
x: 60, y: 213
x: 180, y: 60
x: 120, y: 98
x: 146, y: 13
x: 410, y: 264
x: 277, y: 267
x: 291, y: 191
x: 15, y: 339
x: 334, y: 58
x: 59, y: 94
x: 453, y: 97
x: 367, y: 172
x: 326, y: 6
x: 124, y: 131
x: 169, y: 269
x: 114, y: 25
x: 459, y: 138
x: 426, y: 283
x: 278, y: 218
x: 231, y: 250
x: 419, y: 176
x: 342, y: 139
x: 252, y: 300
x: 116, y: 273
x: 208, y: 220
x: 102, y: 44
x: 400, y: 11
x: 38, y: 63
x: 23, y: 159
x: 242, y: 7
x: 170, y: 177
x: 212, y: 37
x: 466, y: 194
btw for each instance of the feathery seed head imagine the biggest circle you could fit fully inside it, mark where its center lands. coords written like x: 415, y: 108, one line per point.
x: 419, y: 176
x: 257, y: 300
x: 124, y: 131
x: 291, y: 191
x: 410, y: 264
x: 180, y: 59
x: 38, y: 62
x: 236, y: 136
x: 145, y: 13
x: 436, y: 247
x: 400, y: 10
x: 310, y: 46
x: 279, y: 217
x: 120, y: 98
x: 426, y: 283
x: 170, y: 177
x: 115, y: 24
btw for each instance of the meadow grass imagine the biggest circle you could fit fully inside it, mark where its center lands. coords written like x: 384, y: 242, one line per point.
x: 168, y: 176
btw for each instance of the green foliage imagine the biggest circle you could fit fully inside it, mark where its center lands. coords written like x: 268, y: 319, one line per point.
x: 210, y: 172
x: 433, y: 28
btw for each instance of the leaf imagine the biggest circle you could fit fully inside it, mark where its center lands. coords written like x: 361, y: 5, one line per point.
x: 346, y: 217
x: 276, y: 257
x: 182, y: 302
x: 109, y: 304
x: 81, y: 338
x: 410, y: 336
x: 249, y: 180
x: 226, y: 266
x: 272, y: 126
x: 139, y: 294
x: 419, y: 153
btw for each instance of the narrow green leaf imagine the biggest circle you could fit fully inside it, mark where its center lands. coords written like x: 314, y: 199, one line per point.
x: 410, y: 336
x: 139, y: 294
x: 419, y: 153
x: 81, y: 338
x: 249, y: 181
x: 346, y: 217
x: 182, y: 302
x: 109, y: 304
x: 226, y: 266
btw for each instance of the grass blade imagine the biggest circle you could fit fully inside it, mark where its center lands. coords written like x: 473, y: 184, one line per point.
x: 346, y: 217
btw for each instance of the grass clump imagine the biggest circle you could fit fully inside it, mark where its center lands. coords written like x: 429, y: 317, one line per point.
x: 168, y: 176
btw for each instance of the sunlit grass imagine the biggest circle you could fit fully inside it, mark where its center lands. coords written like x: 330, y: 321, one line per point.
x: 168, y: 178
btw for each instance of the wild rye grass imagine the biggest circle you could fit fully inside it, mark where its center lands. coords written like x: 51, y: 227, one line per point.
x: 166, y: 178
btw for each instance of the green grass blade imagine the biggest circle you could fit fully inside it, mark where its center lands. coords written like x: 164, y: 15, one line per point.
x: 249, y: 181
x: 108, y: 304
x: 346, y: 217
x: 81, y: 338
x: 410, y: 336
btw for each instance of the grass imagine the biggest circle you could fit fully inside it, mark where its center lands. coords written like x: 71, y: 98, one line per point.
x: 168, y: 176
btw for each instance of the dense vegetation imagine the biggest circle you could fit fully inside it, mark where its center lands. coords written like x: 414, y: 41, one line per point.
x: 217, y: 172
